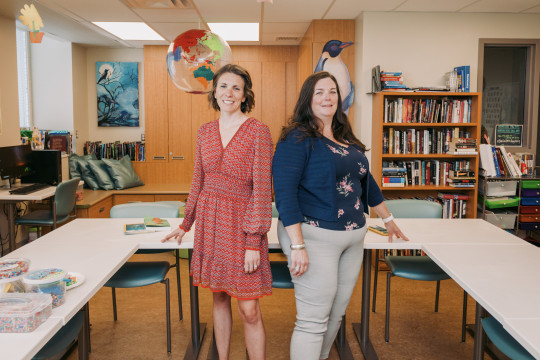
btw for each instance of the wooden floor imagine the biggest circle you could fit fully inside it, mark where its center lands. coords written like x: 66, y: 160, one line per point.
x: 416, y: 332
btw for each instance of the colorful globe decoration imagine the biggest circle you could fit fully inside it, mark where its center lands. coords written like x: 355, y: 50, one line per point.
x: 193, y: 58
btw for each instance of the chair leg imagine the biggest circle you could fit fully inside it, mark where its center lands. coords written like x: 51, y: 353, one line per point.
x: 177, y: 255
x: 437, y: 296
x: 87, y: 315
x: 387, y: 317
x: 168, y: 313
x: 464, y: 319
x: 114, y: 303
x: 375, y: 277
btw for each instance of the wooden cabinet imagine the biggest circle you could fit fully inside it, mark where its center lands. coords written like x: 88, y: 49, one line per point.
x: 382, y: 130
x: 100, y: 210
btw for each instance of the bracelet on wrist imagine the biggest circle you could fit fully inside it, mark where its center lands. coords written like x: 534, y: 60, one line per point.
x: 298, y: 246
x: 388, y: 219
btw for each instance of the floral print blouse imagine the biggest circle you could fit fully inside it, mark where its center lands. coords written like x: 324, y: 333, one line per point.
x: 351, y: 168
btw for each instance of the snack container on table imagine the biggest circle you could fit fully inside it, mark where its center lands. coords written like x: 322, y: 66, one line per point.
x: 22, y: 313
x: 47, y: 281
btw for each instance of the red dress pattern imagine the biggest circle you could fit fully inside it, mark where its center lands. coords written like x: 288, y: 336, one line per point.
x: 231, y: 199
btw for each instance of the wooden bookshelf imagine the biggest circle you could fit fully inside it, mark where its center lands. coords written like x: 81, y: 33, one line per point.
x: 380, y: 127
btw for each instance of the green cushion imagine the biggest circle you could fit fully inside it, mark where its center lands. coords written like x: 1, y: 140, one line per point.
x: 74, y: 165
x: 100, y: 170
x: 122, y: 173
x: 87, y: 174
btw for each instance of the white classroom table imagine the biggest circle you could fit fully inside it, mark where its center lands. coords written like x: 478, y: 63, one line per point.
x: 525, y: 331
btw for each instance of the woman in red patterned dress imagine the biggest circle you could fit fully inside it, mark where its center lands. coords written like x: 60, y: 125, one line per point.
x: 230, y: 197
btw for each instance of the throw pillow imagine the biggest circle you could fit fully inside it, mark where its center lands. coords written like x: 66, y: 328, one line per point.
x: 99, y: 168
x: 122, y: 173
x: 87, y: 174
x: 74, y: 165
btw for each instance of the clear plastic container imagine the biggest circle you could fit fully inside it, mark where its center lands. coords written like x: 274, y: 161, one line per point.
x: 47, y: 281
x: 21, y: 313
x: 11, y: 273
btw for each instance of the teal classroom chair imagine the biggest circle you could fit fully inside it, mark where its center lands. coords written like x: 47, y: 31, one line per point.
x: 281, y: 276
x: 504, y: 341
x: 143, y: 273
x: 413, y: 267
x: 59, y: 343
x: 63, y: 206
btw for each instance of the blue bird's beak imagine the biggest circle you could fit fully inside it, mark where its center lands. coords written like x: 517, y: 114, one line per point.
x: 346, y: 44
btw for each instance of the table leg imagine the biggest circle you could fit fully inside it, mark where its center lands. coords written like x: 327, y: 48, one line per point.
x: 479, y: 337
x: 11, y: 226
x: 362, y: 330
x: 197, y: 329
x: 84, y: 336
x: 342, y: 344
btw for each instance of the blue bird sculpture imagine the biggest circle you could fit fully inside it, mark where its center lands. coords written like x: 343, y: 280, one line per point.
x: 331, y: 61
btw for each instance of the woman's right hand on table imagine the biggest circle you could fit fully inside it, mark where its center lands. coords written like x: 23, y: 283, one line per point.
x: 299, y: 262
x: 177, y: 234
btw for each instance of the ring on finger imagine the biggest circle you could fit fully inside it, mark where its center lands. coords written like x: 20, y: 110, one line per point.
x: 297, y: 268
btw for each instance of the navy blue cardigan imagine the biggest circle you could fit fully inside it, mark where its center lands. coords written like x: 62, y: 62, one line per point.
x: 304, y: 175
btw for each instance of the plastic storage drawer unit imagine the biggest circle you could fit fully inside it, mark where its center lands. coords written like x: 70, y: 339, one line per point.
x: 530, y: 193
x: 505, y: 219
x: 533, y: 201
x: 530, y: 184
x: 498, y: 188
x: 504, y: 202
x: 530, y: 210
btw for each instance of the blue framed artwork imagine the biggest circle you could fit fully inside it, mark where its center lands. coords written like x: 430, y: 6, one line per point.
x: 117, y: 93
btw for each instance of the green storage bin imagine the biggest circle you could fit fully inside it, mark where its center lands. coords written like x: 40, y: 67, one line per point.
x: 500, y: 202
x: 530, y: 184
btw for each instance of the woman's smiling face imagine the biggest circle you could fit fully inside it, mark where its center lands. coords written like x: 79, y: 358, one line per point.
x: 230, y: 92
x: 325, y: 99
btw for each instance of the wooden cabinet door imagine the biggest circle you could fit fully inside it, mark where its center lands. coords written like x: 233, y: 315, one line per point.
x: 156, y: 108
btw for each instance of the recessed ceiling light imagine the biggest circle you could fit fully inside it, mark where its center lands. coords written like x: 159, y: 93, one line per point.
x: 236, y: 31
x: 130, y: 30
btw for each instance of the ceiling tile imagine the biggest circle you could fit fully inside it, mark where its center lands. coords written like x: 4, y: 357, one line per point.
x: 171, y: 30
x: 535, y: 9
x: 434, y: 5
x: 97, y: 10
x: 501, y: 6
x: 168, y: 16
x: 297, y: 10
x: 350, y: 9
x: 229, y: 10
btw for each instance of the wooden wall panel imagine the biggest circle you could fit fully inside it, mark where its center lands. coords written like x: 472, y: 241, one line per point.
x: 273, y: 99
x: 290, y: 89
x: 155, y: 101
x: 305, y: 59
x: 254, y: 69
x: 326, y: 30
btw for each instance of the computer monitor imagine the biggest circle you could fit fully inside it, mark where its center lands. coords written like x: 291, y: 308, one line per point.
x: 14, y: 161
x: 45, y: 167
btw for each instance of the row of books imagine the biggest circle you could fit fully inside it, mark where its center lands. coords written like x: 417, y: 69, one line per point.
x: 392, y: 81
x: 424, y: 172
x: 463, y: 146
x: 454, y: 206
x: 116, y: 150
x: 422, y: 141
x: 525, y: 162
x: 496, y: 161
x: 445, y: 110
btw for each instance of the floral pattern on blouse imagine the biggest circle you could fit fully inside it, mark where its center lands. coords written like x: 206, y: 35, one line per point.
x: 351, y: 168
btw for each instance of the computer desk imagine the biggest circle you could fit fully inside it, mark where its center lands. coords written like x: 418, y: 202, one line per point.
x: 11, y: 201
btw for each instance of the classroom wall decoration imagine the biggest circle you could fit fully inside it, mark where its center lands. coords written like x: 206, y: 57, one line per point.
x: 30, y: 17
x: 117, y: 93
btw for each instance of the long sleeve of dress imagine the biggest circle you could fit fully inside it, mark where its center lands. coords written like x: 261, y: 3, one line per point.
x: 196, y: 185
x: 258, y: 216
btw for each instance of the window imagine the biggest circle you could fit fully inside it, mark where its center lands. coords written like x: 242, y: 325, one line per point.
x: 508, y: 79
x: 23, y: 74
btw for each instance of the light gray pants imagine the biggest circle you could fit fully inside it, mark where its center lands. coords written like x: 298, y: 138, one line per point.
x: 323, y: 292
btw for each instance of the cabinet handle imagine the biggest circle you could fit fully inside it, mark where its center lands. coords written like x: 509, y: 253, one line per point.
x: 158, y: 158
x: 178, y: 158
x: 102, y: 209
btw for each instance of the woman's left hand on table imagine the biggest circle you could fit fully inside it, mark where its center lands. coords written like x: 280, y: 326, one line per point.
x: 394, y: 230
x: 252, y: 261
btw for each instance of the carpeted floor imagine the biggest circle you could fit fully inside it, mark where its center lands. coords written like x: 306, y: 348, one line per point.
x: 416, y: 332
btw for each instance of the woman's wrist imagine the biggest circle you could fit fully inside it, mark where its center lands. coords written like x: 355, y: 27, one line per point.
x: 298, y: 246
x: 388, y: 219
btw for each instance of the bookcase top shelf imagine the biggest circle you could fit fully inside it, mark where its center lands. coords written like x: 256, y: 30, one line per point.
x: 437, y: 94
x: 409, y: 125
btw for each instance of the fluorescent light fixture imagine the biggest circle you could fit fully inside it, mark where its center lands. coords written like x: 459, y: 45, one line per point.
x: 236, y: 31
x: 129, y: 30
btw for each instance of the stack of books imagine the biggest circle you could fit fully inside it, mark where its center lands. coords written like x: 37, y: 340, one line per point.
x: 454, y: 205
x: 394, y: 176
x: 461, y: 178
x: 392, y: 81
x: 496, y: 161
x: 463, y: 146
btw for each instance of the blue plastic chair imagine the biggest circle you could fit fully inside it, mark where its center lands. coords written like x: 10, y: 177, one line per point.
x: 61, y: 211
x: 143, y: 273
x: 413, y: 267
x: 504, y: 341
x: 281, y: 276
x: 59, y: 343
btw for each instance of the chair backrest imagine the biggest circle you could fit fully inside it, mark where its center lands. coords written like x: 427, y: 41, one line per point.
x: 275, y: 213
x: 412, y: 208
x: 64, y: 197
x: 142, y: 209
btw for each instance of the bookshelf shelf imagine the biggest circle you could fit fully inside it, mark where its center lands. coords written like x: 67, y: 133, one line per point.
x: 469, y: 129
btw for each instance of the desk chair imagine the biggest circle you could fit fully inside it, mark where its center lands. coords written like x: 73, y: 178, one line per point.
x: 412, y: 267
x: 504, y: 341
x: 63, y: 339
x: 143, y: 273
x: 281, y: 276
x: 63, y: 205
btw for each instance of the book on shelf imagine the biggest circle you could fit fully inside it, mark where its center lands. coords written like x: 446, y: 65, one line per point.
x: 464, y: 78
x: 454, y: 205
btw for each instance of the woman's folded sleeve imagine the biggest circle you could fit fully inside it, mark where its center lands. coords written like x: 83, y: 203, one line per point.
x: 288, y: 167
x: 375, y: 196
x: 258, y: 216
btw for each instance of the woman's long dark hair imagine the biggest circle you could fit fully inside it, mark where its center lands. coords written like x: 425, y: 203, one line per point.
x: 304, y: 120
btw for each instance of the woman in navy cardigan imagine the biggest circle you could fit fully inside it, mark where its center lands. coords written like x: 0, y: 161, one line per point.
x: 323, y: 187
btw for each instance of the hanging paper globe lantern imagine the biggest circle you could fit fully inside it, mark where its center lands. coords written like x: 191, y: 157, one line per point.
x: 193, y: 58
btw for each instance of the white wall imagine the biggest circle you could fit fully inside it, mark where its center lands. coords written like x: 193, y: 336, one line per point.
x: 9, y: 97
x: 80, y: 98
x: 52, y: 84
x: 111, y: 134
x: 424, y: 46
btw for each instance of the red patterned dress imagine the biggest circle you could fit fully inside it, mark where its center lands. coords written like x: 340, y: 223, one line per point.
x: 231, y: 199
